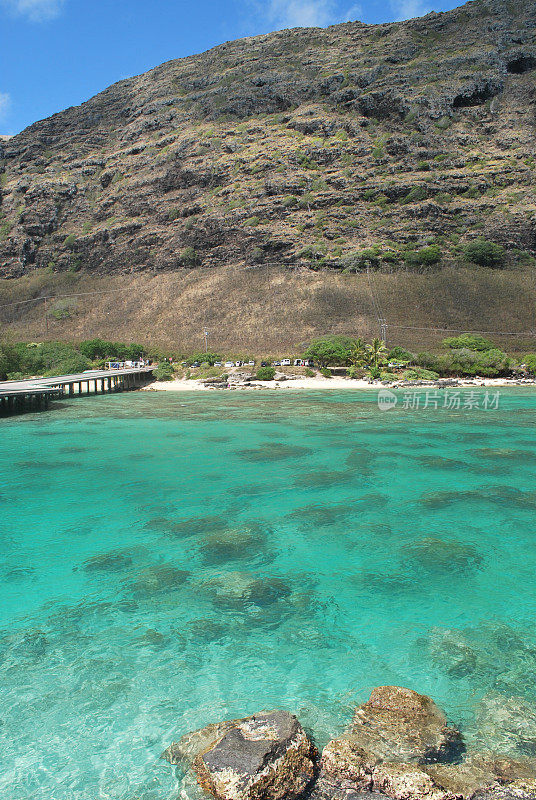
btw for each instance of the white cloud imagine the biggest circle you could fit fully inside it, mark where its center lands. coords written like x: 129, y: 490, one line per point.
x: 309, y: 13
x: 355, y: 12
x: 5, y: 102
x: 408, y: 9
x: 35, y: 10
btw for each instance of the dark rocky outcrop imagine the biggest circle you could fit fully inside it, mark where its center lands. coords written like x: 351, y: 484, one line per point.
x: 404, y: 132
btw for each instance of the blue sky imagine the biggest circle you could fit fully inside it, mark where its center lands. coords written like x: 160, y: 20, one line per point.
x: 58, y: 53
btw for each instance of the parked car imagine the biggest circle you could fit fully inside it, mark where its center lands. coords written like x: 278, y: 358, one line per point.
x: 218, y: 364
x: 229, y: 364
x: 285, y: 362
x: 196, y: 364
x: 251, y: 363
x: 276, y: 364
x: 239, y: 363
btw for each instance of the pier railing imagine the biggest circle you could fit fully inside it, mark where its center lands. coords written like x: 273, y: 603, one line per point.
x: 35, y: 394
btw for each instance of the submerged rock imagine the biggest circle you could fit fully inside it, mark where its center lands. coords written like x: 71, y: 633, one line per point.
x: 360, y: 461
x: 478, y: 772
x: 519, y: 790
x: 263, y: 757
x: 321, y: 516
x: 206, y: 630
x: 399, y: 724
x: 507, y: 725
x: 178, y: 528
x: 274, y: 451
x: 226, y: 544
x: 32, y: 644
x: 240, y: 590
x: 157, y: 579
x: 266, y: 591
x: 451, y: 651
x: 114, y: 561
x: 435, y: 556
x: 322, y: 478
x: 390, y: 586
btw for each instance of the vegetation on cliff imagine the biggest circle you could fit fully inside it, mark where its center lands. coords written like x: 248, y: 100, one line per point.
x: 397, y: 146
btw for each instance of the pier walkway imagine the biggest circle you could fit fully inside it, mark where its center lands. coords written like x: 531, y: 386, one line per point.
x: 36, y: 393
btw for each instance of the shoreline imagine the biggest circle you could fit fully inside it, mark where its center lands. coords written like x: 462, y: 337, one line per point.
x: 336, y: 383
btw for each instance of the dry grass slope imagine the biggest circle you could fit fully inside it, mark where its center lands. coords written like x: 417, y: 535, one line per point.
x: 269, y: 310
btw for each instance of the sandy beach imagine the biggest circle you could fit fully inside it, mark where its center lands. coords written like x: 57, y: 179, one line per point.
x: 319, y: 382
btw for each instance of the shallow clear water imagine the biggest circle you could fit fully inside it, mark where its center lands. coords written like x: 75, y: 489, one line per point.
x: 170, y: 560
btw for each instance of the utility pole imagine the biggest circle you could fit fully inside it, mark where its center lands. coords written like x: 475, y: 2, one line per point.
x: 205, y: 334
x: 46, y: 315
x: 383, y: 328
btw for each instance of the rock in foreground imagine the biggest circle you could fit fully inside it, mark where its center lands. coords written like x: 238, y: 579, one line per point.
x: 401, y: 725
x: 399, y: 746
x: 263, y: 757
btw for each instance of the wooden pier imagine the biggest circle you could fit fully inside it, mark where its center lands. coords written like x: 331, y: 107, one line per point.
x: 16, y: 397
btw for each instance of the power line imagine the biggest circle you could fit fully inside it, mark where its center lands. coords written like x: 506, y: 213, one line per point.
x: 463, y: 330
x: 382, y: 322
x: 58, y: 296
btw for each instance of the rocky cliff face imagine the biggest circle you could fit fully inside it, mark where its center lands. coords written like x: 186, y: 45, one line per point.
x: 300, y: 148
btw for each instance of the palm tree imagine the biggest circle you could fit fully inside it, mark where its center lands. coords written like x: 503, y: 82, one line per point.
x: 377, y: 353
x: 358, y: 356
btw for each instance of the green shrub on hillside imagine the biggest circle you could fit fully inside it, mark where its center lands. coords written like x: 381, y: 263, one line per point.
x: 389, y: 376
x: 201, y: 357
x: 491, y: 364
x: 530, y: 363
x: 52, y: 358
x: 289, y: 201
x: 400, y: 354
x: 485, y: 254
x: 164, y: 371
x: 420, y: 374
x: 70, y: 241
x: 465, y: 362
x: 415, y: 195
x: 469, y: 341
x: 265, y: 374
x: 334, y: 350
x: 99, y: 349
x: 364, y: 259
x: 10, y: 360
x: 425, y: 257
x: 5, y: 230
x: 433, y: 362
x: 190, y: 258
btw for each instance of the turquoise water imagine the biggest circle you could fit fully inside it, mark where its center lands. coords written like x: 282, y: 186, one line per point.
x: 173, y: 559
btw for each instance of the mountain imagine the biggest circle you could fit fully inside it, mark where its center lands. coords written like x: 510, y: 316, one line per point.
x: 309, y: 150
